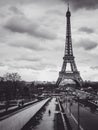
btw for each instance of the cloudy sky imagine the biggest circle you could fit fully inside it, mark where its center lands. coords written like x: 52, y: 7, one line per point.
x: 32, y: 37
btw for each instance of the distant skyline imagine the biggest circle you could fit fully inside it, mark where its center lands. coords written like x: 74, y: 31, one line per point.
x: 33, y: 32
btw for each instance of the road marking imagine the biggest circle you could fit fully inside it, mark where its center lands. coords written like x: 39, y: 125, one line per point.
x: 75, y: 119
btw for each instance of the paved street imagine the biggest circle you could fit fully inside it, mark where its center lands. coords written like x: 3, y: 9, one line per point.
x: 88, y: 118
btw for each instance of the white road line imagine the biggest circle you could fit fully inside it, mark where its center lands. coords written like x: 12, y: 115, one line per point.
x: 74, y: 119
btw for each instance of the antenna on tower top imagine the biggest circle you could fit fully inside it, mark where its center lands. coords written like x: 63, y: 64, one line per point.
x: 68, y: 4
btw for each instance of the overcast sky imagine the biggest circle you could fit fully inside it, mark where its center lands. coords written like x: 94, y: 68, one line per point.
x: 32, y: 37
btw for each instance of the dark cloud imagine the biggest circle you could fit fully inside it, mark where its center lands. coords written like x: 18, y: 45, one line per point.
x: 44, y: 2
x: 87, y: 4
x: 76, y: 4
x: 55, y: 12
x: 86, y: 30
x: 20, y: 24
x: 94, y: 67
x: 36, y: 67
x: 5, y: 2
x: 26, y: 65
x: 28, y: 45
x: 31, y: 59
x: 35, y: 64
x: 15, y: 10
x: 2, y: 64
x: 87, y: 44
x: 53, y: 70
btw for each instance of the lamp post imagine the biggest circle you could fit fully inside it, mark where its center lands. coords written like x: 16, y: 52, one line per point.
x: 78, y: 114
x: 66, y: 100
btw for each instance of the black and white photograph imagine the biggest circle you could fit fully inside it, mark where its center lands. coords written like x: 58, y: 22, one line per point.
x: 48, y: 64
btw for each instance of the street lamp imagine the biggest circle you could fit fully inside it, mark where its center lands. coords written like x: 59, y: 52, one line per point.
x: 78, y: 113
x: 66, y: 100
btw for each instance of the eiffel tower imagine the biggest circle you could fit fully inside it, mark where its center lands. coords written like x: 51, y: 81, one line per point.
x: 69, y: 58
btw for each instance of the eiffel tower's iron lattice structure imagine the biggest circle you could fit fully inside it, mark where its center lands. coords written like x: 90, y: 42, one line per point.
x: 69, y: 58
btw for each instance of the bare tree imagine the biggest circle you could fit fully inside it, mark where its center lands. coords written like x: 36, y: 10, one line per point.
x: 11, y: 84
x: 12, y: 77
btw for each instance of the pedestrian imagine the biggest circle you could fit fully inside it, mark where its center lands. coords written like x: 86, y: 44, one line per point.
x: 49, y: 112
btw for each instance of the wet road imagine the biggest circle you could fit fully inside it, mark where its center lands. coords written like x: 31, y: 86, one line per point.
x: 44, y: 120
x: 88, y: 118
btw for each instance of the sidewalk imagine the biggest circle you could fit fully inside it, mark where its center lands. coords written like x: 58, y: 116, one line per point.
x: 4, y: 113
x: 17, y: 121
